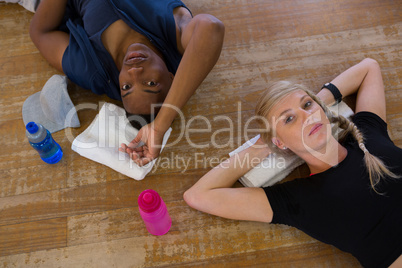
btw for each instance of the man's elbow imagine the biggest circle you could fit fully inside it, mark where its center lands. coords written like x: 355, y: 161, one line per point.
x: 217, y: 26
x: 37, y: 31
x: 34, y: 34
x: 211, y: 25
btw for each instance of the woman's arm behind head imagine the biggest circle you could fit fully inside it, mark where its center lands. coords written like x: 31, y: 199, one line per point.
x: 364, y: 78
x: 371, y: 96
x: 213, y: 193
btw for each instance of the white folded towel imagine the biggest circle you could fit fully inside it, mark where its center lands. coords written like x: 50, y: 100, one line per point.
x: 100, y: 142
x: 271, y: 170
x: 275, y: 167
x: 30, y: 5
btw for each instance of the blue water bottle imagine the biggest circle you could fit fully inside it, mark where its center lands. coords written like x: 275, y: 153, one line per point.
x: 41, y: 140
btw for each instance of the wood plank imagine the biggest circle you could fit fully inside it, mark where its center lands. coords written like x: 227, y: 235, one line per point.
x: 307, y: 255
x: 393, y: 101
x: 322, y: 44
x: 91, y: 198
x: 127, y: 223
x: 395, y: 128
x: 22, y: 169
x: 250, y: 79
x: 14, y: 29
x: 118, y: 253
x: 184, y: 246
x: 33, y: 236
x: 24, y: 180
x: 51, y: 204
x: 285, y: 19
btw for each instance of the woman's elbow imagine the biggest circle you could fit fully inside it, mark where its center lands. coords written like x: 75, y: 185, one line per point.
x: 371, y: 63
x: 189, y: 197
x: 194, y: 198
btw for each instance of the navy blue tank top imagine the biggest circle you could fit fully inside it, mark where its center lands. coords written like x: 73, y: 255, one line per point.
x: 86, y: 61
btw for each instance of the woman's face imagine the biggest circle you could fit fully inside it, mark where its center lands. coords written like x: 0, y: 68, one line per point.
x: 144, y: 79
x: 299, y: 124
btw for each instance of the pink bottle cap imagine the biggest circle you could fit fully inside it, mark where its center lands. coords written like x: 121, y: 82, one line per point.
x: 149, y: 201
x: 148, y: 198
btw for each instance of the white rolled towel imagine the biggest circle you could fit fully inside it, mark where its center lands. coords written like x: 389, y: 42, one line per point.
x: 30, y: 5
x: 100, y: 142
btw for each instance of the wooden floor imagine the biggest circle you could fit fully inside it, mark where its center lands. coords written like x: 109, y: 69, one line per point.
x: 78, y: 213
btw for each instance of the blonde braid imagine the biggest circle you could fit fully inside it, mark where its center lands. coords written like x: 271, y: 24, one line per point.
x: 375, y: 167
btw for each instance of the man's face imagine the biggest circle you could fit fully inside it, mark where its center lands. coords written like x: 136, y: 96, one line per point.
x: 144, y: 79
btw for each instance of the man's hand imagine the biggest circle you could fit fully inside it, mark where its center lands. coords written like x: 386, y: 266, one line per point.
x: 146, y: 146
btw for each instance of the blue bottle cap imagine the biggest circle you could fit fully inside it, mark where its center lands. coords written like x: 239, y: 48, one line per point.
x: 32, y: 127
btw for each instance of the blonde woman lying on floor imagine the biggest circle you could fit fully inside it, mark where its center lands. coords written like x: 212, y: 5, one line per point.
x: 353, y: 197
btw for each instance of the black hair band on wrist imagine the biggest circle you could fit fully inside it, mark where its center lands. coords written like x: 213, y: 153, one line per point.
x: 335, y: 92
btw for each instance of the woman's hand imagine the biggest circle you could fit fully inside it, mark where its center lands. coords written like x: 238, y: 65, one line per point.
x: 146, y: 146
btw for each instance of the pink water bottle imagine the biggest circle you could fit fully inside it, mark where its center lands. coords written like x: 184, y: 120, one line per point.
x: 154, y: 212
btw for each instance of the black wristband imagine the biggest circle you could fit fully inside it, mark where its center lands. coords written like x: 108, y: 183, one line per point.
x: 335, y: 92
